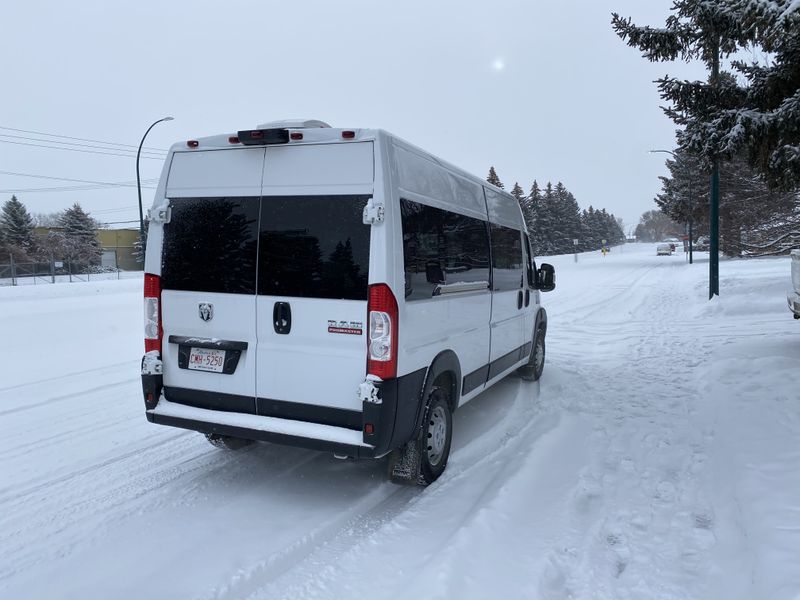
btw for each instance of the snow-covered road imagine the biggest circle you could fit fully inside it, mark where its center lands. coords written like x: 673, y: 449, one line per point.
x: 659, y: 457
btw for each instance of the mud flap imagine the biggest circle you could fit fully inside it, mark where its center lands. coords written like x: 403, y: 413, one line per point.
x: 405, y: 463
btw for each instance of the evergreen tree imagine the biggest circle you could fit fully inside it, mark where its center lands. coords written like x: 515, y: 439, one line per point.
x: 494, y: 179
x: 519, y: 194
x: 750, y: 213
x: 532, y: 212
x: 566, y: 219
x: 547, y: 220
x: 16, y: 228
x: 78, y: 235
x: 758, y: 112
x: 590, y: 239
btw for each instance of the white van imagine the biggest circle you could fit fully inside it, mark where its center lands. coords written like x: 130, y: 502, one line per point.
x: 335, y: 289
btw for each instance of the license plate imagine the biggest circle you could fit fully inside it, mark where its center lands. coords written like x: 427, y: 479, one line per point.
x: 205, y: 359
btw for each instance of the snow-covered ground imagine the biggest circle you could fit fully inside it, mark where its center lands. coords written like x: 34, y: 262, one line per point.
x: 659, y: 457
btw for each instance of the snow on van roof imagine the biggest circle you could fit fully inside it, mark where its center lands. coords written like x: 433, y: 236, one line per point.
x: 294, y: 124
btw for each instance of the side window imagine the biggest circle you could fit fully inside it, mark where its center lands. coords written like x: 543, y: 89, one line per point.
x: 210, y: 245
x: 530, y: 265
x: 443, y: 252
x: 507, y: 258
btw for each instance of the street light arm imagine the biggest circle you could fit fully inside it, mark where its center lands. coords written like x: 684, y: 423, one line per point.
x: 138, y: 179
x: 675, y: 156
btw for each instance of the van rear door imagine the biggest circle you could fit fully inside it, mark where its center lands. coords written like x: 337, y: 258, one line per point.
x: 313, y: 272
x: 208, y: 278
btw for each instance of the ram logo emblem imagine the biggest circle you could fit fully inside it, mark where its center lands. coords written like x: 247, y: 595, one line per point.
x: 206, y: 311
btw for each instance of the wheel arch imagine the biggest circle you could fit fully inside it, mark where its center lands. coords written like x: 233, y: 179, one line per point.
x: 541, y: 320
x: 444, y: 366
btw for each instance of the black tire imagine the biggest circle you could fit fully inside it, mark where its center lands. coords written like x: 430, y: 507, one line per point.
x: 533, y: 370
x: 435, y: 437
x: 226, y: 442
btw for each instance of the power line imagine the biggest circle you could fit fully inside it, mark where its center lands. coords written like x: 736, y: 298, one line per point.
x: 67, y: 137
x: 132, y: 152
x: 73, y: 188
x: 78, y: 150
x: 35, y: 176
x: 92, y: 185
x: 104, y: 211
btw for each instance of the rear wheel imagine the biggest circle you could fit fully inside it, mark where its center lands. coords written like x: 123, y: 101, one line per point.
x: 436, y: 435
x: 227, y: 442
x: 533, y: 370
x: 422, y: 460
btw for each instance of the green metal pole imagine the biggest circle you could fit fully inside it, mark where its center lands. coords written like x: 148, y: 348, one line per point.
x: 713, y: 265
x: 713, y: 212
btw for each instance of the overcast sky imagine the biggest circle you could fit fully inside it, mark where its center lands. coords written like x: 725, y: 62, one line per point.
x: 541, y: 90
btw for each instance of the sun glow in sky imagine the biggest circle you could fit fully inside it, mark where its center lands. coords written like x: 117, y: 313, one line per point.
x: 498, y: 64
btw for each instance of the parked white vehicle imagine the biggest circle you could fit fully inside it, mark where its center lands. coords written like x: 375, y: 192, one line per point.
x: 333, y: 289
x: 794, y: 297
x: 664, y: 250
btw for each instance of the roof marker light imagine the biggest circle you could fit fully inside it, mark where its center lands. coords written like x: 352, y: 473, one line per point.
x: 296, y: 136
x: 348, y: 135
x: 193, y: 143
x: 233, y: 140
x: 256, y: 134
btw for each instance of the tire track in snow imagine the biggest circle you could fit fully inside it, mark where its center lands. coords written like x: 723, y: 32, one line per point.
x: 169, y: 473
x: 73, y: 375
x: 463, y: 487
x: 69, y: 396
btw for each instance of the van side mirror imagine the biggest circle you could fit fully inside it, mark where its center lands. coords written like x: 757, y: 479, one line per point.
x: 546, y: 278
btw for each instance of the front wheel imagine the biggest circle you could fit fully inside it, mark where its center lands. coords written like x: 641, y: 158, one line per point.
x: 533, y: 370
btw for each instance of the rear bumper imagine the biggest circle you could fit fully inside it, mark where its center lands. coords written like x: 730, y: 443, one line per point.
x: 794, y: 304
x: 391, y: 418
x: 345, y: 442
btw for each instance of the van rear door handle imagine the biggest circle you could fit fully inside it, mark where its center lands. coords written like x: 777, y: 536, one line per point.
x: 282, y: 317
x: 519, y: 299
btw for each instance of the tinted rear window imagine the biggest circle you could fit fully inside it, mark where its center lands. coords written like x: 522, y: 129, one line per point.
x: 313, y: 247
x: 210, y: 245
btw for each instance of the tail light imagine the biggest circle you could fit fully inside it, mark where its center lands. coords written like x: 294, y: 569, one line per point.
x: 152, y: 313
x: 383, y: 332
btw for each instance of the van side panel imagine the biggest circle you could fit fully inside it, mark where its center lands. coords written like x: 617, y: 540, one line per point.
x: 420, y: 176
x: 508, y: 307
x: 457, y: 321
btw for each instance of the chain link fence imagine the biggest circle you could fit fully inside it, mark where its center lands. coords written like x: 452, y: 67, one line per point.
x: 56, y: 270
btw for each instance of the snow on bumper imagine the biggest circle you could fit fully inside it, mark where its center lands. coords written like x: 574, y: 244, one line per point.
x: 257, y: 427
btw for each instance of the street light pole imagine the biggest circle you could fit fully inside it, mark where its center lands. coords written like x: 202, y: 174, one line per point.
x: 138, y: 180
x: 691, y: 207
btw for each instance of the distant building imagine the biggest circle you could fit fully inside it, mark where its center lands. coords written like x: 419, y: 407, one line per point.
x: 118, y: 246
